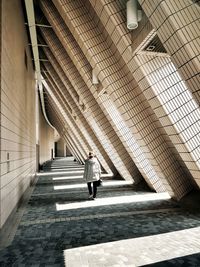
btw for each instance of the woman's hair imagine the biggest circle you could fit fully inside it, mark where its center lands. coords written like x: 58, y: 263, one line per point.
x: 91, y: 155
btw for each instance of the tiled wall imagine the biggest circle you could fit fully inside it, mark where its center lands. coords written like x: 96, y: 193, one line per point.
x: 98, y: 121
x: 83, y: 130
x: 178, y: 112
x: 177, y: 24
x: 0, y: 79
x: 114, y: 78
x: 58, y: 120
x: 142, y: 119
x: 75, y: 110
x: 18, y: 149
x: 106, y: 46
x: 69, y: 121
x: 133, y: 105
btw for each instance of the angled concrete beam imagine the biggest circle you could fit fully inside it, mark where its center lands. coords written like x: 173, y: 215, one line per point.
x: 33, y: 35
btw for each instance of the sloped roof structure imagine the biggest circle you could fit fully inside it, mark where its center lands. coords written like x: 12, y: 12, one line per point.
x: 132, y: 96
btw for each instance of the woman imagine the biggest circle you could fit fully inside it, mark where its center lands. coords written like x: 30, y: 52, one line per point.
x: 92, y: 173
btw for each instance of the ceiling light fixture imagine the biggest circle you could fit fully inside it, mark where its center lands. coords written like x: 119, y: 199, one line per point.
x: 94, y: 78
x: 133, y: 14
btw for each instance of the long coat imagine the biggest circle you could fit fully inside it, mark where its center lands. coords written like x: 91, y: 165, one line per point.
x: 92, y: 170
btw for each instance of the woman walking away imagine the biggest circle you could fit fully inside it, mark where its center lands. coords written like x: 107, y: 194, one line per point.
x: 92, y: 174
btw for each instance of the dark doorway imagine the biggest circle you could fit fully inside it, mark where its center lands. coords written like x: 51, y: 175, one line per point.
x: 37, y: 157
x: 56, y: 149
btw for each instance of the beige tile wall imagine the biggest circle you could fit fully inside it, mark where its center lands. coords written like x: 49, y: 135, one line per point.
x: 109, y: 70
x: 80, y: 69
x: 69, y: 120
x: 117, y: 17
x: 177, y: 24
x: 178, y: 112
x: 93, y: 35
x: 108, y: 136
x: 18, y: 149
x: 58, y: 120
x: 0, y: 79
x: 81, y: 123
x: 69, y: 116
x: 93, y: 104
x: 110, y: 65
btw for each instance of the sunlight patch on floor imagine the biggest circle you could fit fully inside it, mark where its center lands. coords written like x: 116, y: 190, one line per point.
x: 113, y: 201
x: 68, y: 171
x: 67, y: 177
x: 113, y: 183
x: 105, y: 183
x: 136, y: 251
x: 67, y: 168
x: 104, y: 175
x: 40, y: 174
x: 69, y: 186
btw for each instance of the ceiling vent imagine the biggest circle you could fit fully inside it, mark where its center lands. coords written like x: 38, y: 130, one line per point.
x: 155, y: 45
x: 196, y: 2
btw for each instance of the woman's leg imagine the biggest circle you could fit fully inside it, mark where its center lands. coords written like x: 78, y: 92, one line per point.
x: 95, y: 189
x: 89, y: 188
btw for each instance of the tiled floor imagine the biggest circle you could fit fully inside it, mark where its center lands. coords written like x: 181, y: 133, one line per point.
x: 125, y: 226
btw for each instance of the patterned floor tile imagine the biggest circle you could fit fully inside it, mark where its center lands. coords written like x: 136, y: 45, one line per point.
x: 47, y: 236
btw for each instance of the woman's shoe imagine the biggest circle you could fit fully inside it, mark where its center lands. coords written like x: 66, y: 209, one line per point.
x: 90, y: 197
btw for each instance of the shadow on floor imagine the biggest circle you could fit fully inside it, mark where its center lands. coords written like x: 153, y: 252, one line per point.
x: 40, y: 240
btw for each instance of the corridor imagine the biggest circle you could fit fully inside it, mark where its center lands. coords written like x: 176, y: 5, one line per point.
x: 126, y: 225
x: 116, y: 79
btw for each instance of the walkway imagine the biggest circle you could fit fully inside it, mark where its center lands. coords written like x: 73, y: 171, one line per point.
x: 125, y: 226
